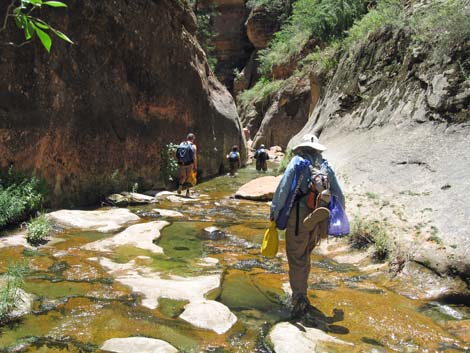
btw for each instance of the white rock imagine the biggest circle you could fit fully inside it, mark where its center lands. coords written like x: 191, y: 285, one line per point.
x: 25, y: 306
x: 210, y: 315
x: 287, y: 338
x: 164, y: 193
x: 180, y: 199
x: 139, y: 197
x: 168, y: 213
x: 153, y: 287
x: 106, y: 220
x: 15, y: 239
x: 138, y: 345
x: 138, y: 235
x: 208, y: 261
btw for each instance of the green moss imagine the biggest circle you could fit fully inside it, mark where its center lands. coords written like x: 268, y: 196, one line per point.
x: 171, y: 307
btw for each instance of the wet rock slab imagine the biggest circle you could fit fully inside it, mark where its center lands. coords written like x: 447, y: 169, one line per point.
x: 260, y: 189
x: 153, y: 286
x: 106, y: 220
x: 286, y: 338
x: 15, y: 239
x: 168, y: 213
x: 139, y: 235
x: 210, y: 315
x: 138, y: 344
x: 130, y: 198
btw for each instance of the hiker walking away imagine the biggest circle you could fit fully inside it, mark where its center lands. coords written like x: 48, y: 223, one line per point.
x: 234, y: 160
x: 261, y: 156
x: 304, y: 227
x: 186, y: 155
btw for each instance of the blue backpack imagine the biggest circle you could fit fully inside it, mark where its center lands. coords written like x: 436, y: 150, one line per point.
x: 233, y: 156
x: 185, y: 153
x: 301, y: 172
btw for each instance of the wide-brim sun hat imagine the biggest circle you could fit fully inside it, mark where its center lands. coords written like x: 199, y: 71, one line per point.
x: 310, y: 141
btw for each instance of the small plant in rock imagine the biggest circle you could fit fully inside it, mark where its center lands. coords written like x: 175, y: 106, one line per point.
x: 435, y: 238
x: 37, y: 230
x: 285, y: 161
x: 10, y: 286
x: 365, y: 232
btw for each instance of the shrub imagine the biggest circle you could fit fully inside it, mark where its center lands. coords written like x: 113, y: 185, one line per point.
x: 169, y: 165
x: 38, y: 229
x: 387, y: 12
x: 446, y: 21
x: 204, y: 33
x: 260, y: 91
x: 285, y: 161
x: 19, y: 200
x: 322, y: 19
x: 10, y: 295
x: 365, y: 232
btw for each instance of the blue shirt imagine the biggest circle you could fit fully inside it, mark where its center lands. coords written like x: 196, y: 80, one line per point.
x: 282, y: 191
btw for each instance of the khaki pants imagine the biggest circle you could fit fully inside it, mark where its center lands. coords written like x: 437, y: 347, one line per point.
x: 299, y: 247
x: 185, y: 170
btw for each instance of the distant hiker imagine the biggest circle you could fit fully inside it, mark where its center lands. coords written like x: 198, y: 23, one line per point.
x: 234, y: 160
x: 246, y: 132
x: 305, y: 226
x: 186, y: 155
x: 261, y: 156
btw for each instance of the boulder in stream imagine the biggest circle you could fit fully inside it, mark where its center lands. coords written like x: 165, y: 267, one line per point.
x: 138, y: 344
x: 213, y: 233
x: 210, y: 315
x: 287, y: 338
x: 260, y: 189
x: 105, y: 220
x: 130, y: 198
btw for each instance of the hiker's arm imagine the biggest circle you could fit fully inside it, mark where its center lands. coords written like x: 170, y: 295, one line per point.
x: 282, y: 192
x: 334, y: 184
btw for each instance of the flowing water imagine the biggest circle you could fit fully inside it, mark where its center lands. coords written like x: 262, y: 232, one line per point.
x: 78, y: 305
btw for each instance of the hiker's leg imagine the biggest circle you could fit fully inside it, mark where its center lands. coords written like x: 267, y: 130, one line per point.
x: 265, y: 166
x: 298, y: 249
x: 184, y: 174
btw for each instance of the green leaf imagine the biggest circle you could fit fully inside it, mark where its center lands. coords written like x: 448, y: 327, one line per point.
x: 62, y: 35
x: 44, y: 37
x: 41, y: 24
x: 35, y: 2
x: 54, y: 3
x: 28, y: 29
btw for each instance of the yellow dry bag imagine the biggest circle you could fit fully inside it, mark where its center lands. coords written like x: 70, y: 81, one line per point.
x: 192, y: 178
x: 270, y: 241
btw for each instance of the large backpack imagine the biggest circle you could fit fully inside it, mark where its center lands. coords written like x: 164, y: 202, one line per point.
x: 301, y: 171
x: 261, y: 154
x: 233, y: 156
x: 185, y: 153
x: 318, y: 189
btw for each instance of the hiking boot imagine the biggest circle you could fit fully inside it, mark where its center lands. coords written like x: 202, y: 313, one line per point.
x: 300, y: 307
x: 179, y: 189
x: 315, y: 217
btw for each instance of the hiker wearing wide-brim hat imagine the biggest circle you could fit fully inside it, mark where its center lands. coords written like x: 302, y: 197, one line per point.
x: 304, y: 227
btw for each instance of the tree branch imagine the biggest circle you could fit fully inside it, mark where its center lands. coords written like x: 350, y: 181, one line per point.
x: 17, y: 45
x: 5, y: 21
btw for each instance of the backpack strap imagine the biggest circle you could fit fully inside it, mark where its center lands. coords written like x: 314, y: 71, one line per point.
x: 297, y: 206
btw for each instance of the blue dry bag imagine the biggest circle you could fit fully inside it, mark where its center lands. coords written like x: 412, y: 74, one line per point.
x: 339, y: 223
x: 300, y: 172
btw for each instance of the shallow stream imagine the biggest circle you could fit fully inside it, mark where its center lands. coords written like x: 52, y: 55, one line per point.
x: 78, y: 305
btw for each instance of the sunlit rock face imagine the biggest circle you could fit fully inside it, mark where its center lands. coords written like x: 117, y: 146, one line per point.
x: 395, y: 111
x: 100, y: 111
